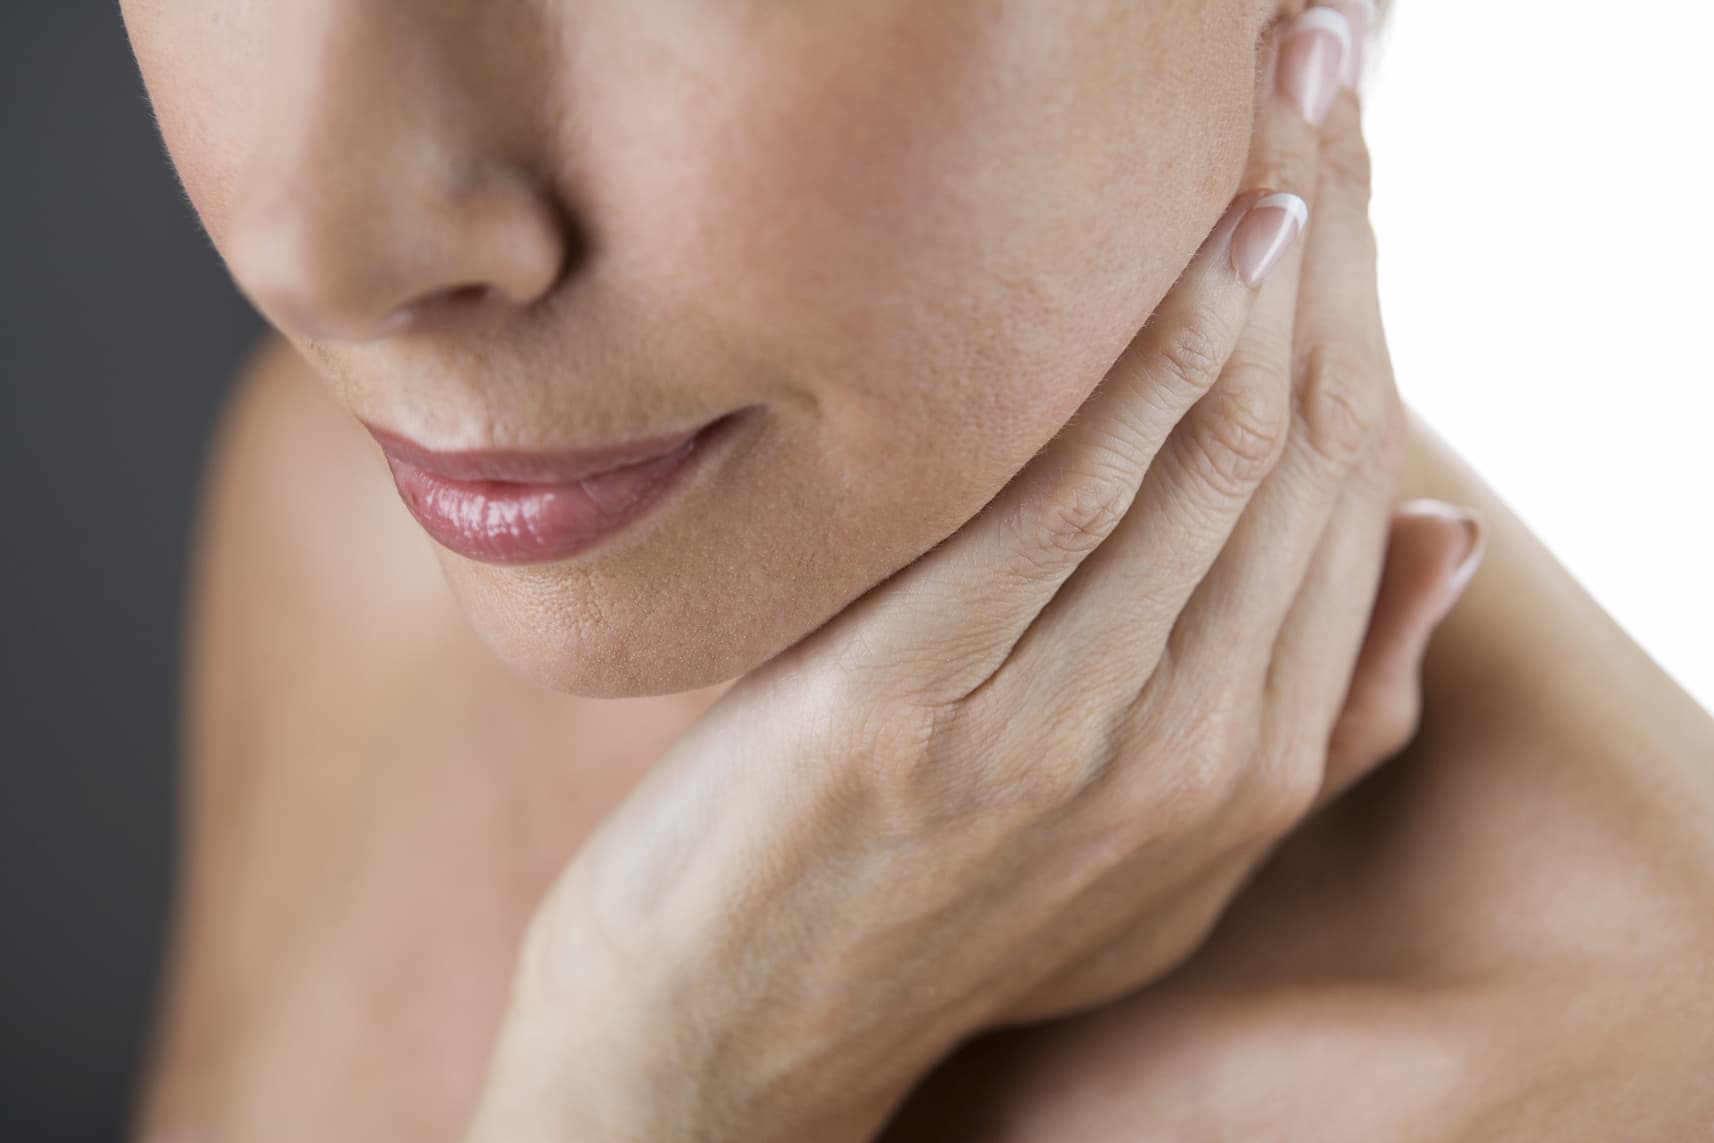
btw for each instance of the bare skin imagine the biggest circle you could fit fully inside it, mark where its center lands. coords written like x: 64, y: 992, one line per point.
x: 381, y: 806
x: 1504, y: 935
x: 1470, y: 947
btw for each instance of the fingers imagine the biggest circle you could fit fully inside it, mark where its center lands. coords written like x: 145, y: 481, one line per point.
x: 1121, y: 604
x: 1340, y: 400
x: 1310, y: 668
x: 1433, y: 551
x: 1118, y: 609
x: 1435, y: 548
x: 1341, y: 350
x: 963, y: 605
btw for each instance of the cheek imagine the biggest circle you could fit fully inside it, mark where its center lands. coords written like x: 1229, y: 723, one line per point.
x: 927, y: 267
x: 919, y: 232
x: 946, y: 252
x: 199, y: 60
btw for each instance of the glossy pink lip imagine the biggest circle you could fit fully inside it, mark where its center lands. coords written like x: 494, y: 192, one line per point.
x: 533, y: 507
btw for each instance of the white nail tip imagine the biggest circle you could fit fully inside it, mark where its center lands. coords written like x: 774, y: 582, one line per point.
x: 1326, y: 20
x: 1466, y: 571
x: 1429, y: 507
x: 1289, y: 203
x: 1459, y: 577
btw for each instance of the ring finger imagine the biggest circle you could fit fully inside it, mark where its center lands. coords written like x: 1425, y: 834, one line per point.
x: 1122, y: 602
x: 1235, y: 620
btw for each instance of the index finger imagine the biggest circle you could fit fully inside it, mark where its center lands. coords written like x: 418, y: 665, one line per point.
x: 961, y: 607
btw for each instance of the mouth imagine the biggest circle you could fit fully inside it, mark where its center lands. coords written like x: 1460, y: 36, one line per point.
x: 538, y: 507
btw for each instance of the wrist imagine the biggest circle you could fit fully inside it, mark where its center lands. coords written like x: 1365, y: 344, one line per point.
x: 586, y: 1089
x: 598, y: 1048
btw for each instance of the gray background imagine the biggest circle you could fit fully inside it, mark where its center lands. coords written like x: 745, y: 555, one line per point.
x: 118, y: 332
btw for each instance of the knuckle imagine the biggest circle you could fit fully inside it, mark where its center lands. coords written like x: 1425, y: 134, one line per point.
x: 1283, y: 789
x: 1202, y: 786
x: 911, y: 678
x: 1345, y: 162
x: 1236, y: 437
x: 1340, y: 406
x: 1080, y: 511
x: 1192, y: 770
x: 1192, y: 353
x: 1209, y: 784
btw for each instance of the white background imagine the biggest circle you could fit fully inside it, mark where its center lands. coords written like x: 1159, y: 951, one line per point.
x: 1545, y: 212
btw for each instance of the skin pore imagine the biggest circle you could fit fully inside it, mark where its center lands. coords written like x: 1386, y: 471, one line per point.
x: 917, y: 301
x: 911, y: 236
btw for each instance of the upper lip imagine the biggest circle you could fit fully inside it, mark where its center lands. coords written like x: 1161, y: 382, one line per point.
x: 526, y: 467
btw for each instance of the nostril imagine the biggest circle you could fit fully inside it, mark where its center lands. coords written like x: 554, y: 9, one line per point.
x: 360, y: 262
x: 462, y: 297
x: 440, y: 304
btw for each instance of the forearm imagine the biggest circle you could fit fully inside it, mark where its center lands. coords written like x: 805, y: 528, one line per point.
x: 1529, y: 687
x: 608, y: 1074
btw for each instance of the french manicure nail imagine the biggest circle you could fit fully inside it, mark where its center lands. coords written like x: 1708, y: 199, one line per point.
x: 1361, y: 15
x: 1315, y: 61
x: 1475, y: 537
x: 1265, y: 233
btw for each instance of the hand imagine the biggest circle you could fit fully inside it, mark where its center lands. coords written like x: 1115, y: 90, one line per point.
x: 1019, y: 779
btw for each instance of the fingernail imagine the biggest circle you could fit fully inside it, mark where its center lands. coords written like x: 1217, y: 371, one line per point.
x: 1361, y: 15
x: 1475, y: 534
x: 1314, y: 61
x: 1477, y: 539
x: 1265, y: 233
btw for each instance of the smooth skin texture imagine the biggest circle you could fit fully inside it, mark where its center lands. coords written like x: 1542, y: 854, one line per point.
x: 1519, y: 1001
x: 1504, y: 935
x: 915, y: 235
x: 343, y: 795
x: 1016, y: 782
x: 1208, y: 440
x: 1203, y: 454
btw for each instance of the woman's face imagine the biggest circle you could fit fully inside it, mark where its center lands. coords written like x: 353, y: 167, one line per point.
x: 909, y: 237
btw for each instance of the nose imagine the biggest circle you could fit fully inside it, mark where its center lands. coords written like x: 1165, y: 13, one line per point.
x: 385, y: 185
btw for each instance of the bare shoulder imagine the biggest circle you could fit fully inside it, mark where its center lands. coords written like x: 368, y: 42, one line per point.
x: 323, y: 639
x: 305, y: 565
x: 298, y: 504
x: 335, y: 701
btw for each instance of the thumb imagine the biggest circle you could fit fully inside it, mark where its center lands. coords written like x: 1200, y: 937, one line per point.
x: 1433, y: 550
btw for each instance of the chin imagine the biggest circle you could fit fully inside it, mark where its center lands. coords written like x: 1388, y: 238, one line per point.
x: 636, y: 627
x: 668, y: 650
x: 725, y: 579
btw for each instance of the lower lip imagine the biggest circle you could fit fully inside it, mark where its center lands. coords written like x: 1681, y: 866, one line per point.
x: 506, y: 522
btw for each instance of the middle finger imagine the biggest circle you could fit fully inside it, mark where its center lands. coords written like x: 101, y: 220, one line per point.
x: 1233, y: 624
x: 1120, y: 605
